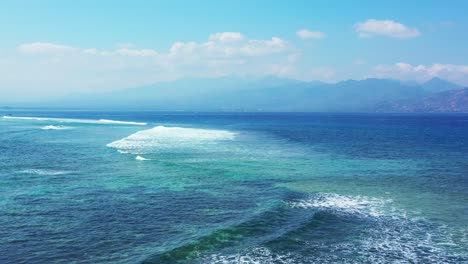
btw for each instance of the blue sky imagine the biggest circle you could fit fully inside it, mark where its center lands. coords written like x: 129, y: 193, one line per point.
x: 57, y: 47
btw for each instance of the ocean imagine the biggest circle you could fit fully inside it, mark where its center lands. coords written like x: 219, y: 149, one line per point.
x: 142, y: 187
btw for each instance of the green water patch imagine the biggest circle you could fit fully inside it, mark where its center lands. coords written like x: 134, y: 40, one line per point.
x: 264, y: 226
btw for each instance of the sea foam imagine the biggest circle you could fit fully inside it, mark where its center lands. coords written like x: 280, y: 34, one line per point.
x: 258, y: 255
x: 361, y: 205
x: 388, y: 233
x: 51, y: 127
x: 43, y: 172
x: 169, y: 137
x: 73, y: 120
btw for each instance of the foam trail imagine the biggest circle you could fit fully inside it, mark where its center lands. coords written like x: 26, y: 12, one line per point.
x: 51, y: 127
x: 73, y: 120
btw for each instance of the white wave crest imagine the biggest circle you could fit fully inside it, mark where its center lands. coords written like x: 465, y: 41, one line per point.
x: 73, y: 120
x: 169, y: 137
x: 51, y: 127
x: 141, y: 158
x: 343, y: 203
x: 107, y: 121
x: 24, y: 118
x: 43, y: 172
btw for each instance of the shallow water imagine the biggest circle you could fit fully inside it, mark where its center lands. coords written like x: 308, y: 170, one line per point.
x: 95, y: 187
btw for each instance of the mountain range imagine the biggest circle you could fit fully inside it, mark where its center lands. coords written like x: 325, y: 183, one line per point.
x: 278, y: 94
x: 446, y: 101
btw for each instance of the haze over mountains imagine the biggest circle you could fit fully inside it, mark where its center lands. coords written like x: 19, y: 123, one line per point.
x: 275, y: 94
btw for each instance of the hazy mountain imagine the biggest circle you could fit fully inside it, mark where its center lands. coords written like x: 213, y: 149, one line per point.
x: 343, y: 96
x: 447, y: 101
x: 436, y: 85
x: 248, y: 94
x: 185, y: 94
x: 241, y: 94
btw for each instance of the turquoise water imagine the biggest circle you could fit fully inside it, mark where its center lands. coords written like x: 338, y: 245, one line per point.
x: 233, y: 188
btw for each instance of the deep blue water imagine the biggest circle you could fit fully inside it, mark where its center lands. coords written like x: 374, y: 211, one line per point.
x: 233, y: 188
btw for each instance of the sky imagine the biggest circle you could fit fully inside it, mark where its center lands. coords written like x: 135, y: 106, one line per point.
x: 55, y: 48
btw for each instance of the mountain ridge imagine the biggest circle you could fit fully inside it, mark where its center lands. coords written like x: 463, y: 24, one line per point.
x: 452, y: 101
x: 270, y: 93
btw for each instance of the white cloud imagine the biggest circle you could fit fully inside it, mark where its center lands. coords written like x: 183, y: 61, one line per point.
x: 44, y: 48
x: 264, y: 47
x: 219, y: 45
x: 307, y: 34
x: 222, y: 46
x: 406, y: 71
x: 227, y: 36
x: 387, y: 28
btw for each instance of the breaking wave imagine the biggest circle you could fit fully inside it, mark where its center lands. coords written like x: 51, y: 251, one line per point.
x: 325, y: 228
x: 384, y: 232
x: 141, y: 158
x: 148, y: 140
x: 73, y: 120
x: 107, y: 121
x: 25, y: 118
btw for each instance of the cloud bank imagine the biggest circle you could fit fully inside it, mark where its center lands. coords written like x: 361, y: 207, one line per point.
x: 57, y: 69
x: 388, y: 28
